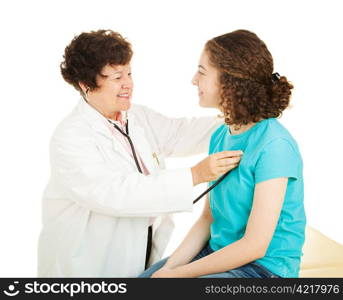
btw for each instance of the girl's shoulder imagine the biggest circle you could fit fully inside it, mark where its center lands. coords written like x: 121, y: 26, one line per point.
x: 273, y: 131
x: 272, y: 137
x: 218, y: 133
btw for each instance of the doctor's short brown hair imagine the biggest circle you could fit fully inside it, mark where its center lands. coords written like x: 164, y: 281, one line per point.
x: 248, y: 91
x: 89, y: 52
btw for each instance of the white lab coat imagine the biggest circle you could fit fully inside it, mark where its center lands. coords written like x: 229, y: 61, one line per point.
x: 97, y: 206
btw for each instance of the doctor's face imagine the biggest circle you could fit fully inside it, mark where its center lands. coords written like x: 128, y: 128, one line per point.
x: 115, y: 90
x: 206, y: 79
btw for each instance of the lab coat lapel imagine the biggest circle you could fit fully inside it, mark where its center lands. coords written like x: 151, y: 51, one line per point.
x: 120, y: 148
x: 99, y: 124
x: 140, y: 142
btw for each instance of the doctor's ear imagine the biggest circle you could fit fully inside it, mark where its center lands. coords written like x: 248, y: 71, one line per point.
x: 84, y: 88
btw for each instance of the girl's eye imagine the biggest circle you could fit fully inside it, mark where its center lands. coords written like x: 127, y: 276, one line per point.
x: 201, y: 73
x: 129, y: 74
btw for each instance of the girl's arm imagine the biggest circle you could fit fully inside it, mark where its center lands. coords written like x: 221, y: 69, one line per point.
x: 267, y: 204
x: 194, y: 240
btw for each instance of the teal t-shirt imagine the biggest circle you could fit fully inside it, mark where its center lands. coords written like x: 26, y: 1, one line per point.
x: 269, y: 152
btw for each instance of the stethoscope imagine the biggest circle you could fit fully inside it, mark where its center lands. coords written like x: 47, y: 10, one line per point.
x: 126, y: 134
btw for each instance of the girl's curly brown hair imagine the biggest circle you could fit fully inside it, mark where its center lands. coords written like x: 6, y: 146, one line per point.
x: 89, y: 52
x: 248, y: 91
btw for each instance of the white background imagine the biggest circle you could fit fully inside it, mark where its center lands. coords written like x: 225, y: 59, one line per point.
x: 305, y: 38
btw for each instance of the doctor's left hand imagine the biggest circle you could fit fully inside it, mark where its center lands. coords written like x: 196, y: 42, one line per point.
x: 165, y: 273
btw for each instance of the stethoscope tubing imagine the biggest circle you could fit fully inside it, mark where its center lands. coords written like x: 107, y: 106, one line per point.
x: 126, y: 134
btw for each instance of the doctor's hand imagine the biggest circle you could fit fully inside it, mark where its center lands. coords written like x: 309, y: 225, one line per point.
x: 215, y: 165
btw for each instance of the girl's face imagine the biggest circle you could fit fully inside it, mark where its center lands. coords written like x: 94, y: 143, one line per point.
x: 206, y: 79
x: 115, y: 90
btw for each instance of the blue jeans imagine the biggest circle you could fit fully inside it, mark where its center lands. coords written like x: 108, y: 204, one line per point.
x: 251, y: 270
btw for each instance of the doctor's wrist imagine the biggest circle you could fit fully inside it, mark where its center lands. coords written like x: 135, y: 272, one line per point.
x: 195, y: 176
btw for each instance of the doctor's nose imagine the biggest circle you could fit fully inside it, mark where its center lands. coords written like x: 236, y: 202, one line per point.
x: 128, y: 84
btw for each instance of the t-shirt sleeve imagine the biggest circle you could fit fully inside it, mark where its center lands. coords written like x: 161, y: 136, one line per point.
x: 278, y: 159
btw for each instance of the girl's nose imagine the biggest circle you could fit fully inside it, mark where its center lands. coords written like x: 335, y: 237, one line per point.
x: 195, y: 79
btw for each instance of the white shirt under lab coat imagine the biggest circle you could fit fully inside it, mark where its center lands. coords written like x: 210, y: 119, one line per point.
x: 97, y: 206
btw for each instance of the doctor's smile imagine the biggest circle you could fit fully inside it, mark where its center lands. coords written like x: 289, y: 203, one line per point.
x: 114, y: 91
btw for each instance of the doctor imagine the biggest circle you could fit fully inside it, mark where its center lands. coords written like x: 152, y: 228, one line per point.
x: 106, y: 205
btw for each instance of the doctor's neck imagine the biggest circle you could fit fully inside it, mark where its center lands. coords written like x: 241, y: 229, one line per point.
x: 115, y: 115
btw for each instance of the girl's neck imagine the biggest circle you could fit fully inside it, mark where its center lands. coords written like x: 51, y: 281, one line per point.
x: 238, y: 129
